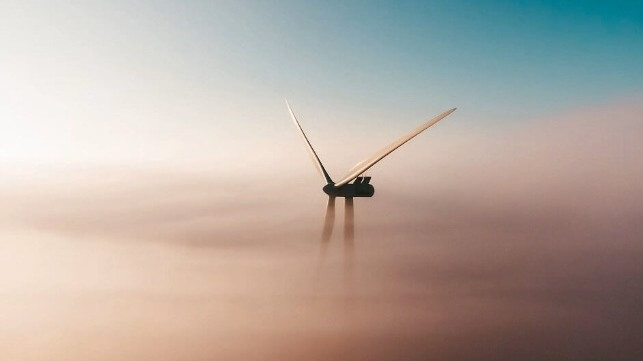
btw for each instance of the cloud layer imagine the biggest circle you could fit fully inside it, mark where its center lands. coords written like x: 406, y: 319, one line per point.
x: 519, y: 244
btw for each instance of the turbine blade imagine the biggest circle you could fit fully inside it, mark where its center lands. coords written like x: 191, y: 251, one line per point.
x: 313, y: 154
x: 329, y: 220
x: 364, y: 165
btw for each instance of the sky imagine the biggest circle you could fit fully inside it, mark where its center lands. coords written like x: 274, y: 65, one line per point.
x: 160, y: 76
x: 155, y: 195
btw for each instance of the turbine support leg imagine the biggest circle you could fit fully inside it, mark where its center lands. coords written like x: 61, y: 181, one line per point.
x: 329, y: 220
x: 349, y: 246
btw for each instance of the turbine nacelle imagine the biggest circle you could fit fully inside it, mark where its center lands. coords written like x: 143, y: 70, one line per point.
x: 350, y: 190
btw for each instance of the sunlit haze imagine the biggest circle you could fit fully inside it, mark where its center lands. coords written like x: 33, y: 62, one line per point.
x: 156, y: 201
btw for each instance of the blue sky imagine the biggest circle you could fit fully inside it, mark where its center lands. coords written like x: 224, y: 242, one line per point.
x: 525, y: 57
x: 76, y: 74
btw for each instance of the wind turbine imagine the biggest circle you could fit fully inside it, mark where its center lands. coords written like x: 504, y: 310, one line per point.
x: 361, y: 187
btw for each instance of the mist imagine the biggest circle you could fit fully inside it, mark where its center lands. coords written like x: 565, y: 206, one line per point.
x: 520, y: 243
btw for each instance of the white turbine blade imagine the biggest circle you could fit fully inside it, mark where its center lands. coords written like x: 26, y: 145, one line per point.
x: 364, y: 165
x: 313, y: 154
x: 360, y: 163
